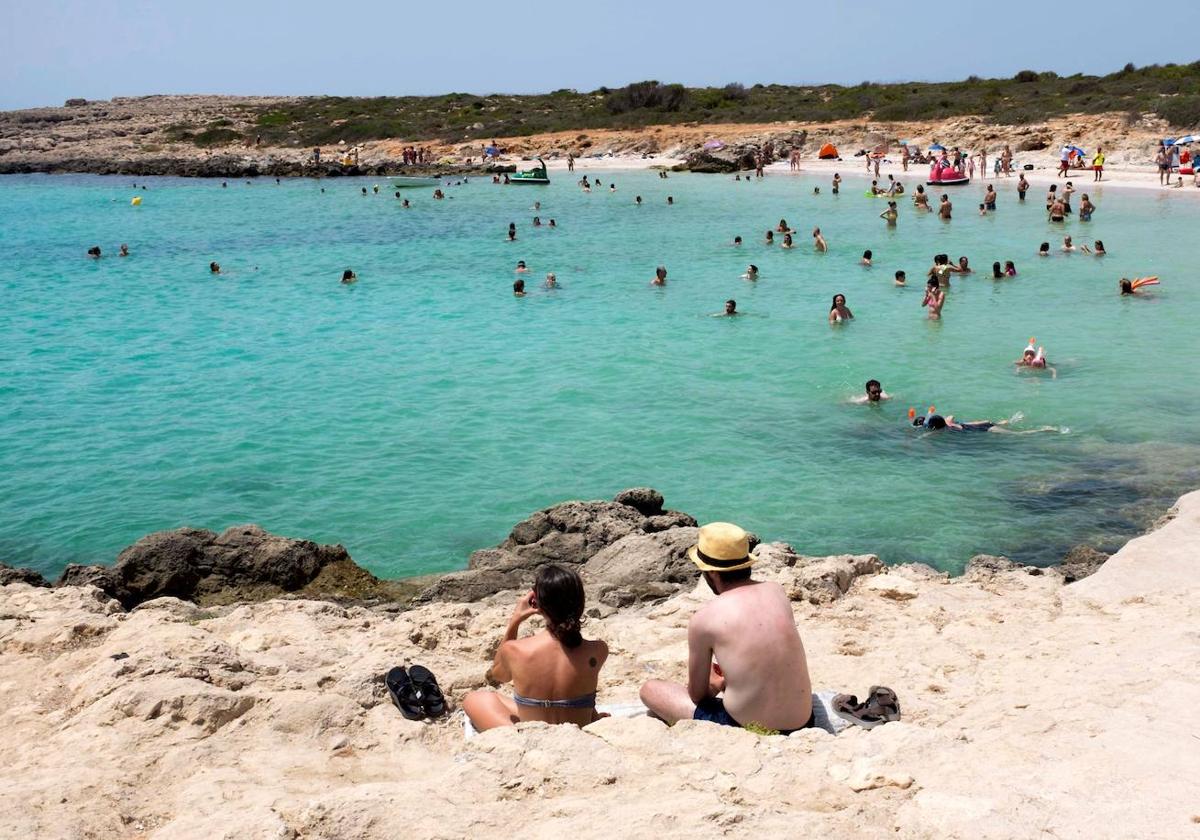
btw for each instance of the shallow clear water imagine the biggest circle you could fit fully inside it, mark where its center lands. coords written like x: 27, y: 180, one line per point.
x: 419, y: 414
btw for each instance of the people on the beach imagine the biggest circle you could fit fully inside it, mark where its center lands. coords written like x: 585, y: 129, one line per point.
x: 349, y: 277
x: 838, y: 311
x: 964, y: 266
x: 746, y: 662
x: 1098, y: 164
x: 769, y: 239
x: 1097, y: 248
x: 554, y: 672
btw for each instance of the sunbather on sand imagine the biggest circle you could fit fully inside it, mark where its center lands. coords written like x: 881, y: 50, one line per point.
x: 554, y: 672
x: 762, y: 679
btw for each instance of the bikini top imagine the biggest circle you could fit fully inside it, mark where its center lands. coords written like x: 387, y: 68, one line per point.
x: 584, y: 701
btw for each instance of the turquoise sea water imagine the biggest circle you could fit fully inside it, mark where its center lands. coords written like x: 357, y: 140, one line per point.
x: 417, y: 415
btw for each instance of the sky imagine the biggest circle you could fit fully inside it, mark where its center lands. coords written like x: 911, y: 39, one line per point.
x: 51, y: 50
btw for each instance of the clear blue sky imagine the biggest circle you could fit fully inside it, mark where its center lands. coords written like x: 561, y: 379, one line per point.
x: 54, y: 49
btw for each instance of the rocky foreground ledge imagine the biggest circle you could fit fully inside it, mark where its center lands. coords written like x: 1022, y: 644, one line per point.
x: 1031, y: 707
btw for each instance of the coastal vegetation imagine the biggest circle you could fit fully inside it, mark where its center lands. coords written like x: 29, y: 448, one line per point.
x: 1168, y: 91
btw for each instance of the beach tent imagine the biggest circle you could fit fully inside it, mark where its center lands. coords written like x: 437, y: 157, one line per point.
x: 828, y: 152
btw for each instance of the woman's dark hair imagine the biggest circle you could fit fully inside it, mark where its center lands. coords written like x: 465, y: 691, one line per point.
x: 867, y: 254
x: 559, y: 594
x: 347, y: 274
x: 996, y: 272
x: 835, y: 297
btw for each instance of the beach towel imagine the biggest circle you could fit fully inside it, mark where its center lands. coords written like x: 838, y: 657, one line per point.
x: 824, y: 716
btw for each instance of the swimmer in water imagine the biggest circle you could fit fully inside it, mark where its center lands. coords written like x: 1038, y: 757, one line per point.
x: 519, y: 288
x: 770, y: 238
x: 1035, y: 359
x: 737, y: 242
x: 637, y: 199
x: 901, y: 278
x: 521, y: 269
x: 787, y: 241
x: 1022, y: 187
x: 989, y: 198
x: 1097, y: 248
x: 512, y: 231
x: 670, y: 199
x: 537, y: 205
x: 537, y: 221
x: 1067, y: 245
x: 552, y: 281
x: 405, y: 204
x: 935, y: 298
x: 963, y: 267
x: 921, y: 199
x: 364, y: 189
x: 1130, y: 287
x: 660, y: 276
x: 890, y: 214
x: 819, y: 242
x: 553, y: 223
x: 874, y: 393
x: 866, y: 258
x: 837, y: 182
x: 1086, y: 208
x: 876, y: 189
x: 1044, y: 249
x: 376, y: 189
x: 730, y: 310
x: 982, y: 210
x: 941, y: 270
x: 997, y: 273
x: 936, y: 422
x: 439, y: 195
x: 124, y: 252
x: 94, y: 252
x: 349, y: 277
x: 839, y: 312
x: 1010, y: 268
x: 816, y: 190
x: 751, y: 272
x: 782, y: 227
x: 945, y: 208
x: 214, y: 268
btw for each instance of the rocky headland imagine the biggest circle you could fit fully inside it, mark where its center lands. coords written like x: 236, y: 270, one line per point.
x: 141, y: 136
x: 230, y: 685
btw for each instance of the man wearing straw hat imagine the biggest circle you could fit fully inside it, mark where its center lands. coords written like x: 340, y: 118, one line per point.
x: 746, y: 663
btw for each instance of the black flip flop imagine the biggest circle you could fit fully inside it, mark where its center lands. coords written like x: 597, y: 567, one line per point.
x: 404, y: 694
x: 431, y: 697
x: 881, y: 706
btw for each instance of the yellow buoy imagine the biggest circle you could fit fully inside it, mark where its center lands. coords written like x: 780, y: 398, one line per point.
x: 136, y: 201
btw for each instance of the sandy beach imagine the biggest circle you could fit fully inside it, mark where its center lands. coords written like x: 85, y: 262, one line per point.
x: 1030, y: 708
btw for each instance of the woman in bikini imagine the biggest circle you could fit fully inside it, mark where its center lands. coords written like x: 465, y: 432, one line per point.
x: 935, y: 298
x: 555, y: 671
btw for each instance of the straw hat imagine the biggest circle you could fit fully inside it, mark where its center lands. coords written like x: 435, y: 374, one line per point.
x: 723, y: 547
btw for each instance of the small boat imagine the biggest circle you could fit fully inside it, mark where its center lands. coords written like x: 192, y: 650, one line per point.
x: 537, y: 175
x: 406, y: 181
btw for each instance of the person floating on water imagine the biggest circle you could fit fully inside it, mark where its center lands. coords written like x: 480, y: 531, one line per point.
x: 1035, y: 359
x: 936, y: 423
x: 730, y: 310
x: 838, y: 311
x: 544, y: 667
x: 762, y: 680
x: 1130, y: 287
x: 349, y: 277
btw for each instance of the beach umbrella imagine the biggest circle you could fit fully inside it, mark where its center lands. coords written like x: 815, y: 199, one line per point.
x: 1183, y: 141
x: 937, y: 147
x: 1077, y: 150
x: 491, y: 151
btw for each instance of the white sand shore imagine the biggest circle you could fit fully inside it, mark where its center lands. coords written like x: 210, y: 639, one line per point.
x: 1030, y: 710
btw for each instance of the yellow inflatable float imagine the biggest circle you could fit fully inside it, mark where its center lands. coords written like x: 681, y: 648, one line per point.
x: 136, y: 201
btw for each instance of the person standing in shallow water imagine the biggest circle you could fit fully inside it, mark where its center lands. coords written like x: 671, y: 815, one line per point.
x: 746, y: 663
x: 554, y: 672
